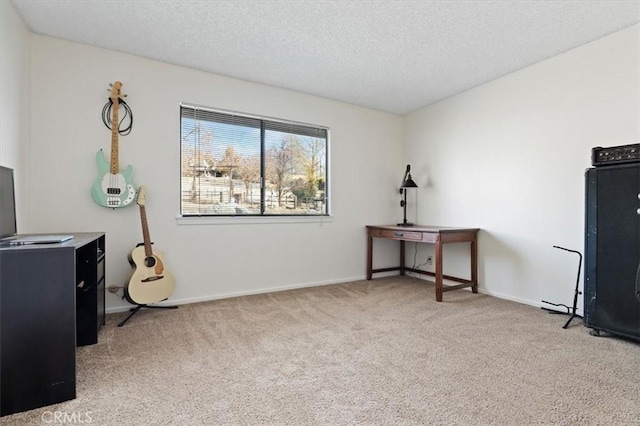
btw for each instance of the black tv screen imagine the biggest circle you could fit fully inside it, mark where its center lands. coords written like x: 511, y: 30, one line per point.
x: 7, y: 203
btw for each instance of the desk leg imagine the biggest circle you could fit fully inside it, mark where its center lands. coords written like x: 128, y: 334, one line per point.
x: 474, y: 265
x: 439, y: 274
x: 402, y: 257
x: 369, y: 256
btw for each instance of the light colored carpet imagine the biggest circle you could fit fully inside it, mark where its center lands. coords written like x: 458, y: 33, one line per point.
x: 379, y: 352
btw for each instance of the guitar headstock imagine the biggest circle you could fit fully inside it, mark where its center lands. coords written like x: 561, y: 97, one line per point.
x: 141, y: 198
x: 116, y: 91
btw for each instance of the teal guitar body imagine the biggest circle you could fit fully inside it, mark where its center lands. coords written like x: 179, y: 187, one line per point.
x: 112, y: 190
x: 113, y: 187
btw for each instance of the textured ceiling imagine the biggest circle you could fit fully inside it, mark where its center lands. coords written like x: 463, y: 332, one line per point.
x: 394, y: 56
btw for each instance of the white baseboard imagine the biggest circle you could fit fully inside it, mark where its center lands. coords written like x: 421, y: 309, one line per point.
x: 511, y: 298
x: 188, y: 300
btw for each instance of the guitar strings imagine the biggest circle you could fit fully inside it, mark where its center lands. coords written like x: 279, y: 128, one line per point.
x: 106, y: 117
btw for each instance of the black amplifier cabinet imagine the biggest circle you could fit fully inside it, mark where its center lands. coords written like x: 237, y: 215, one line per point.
x: 612, y: 247
x: 615, y: 155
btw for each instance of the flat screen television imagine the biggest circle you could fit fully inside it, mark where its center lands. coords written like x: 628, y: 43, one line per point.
x: 8, y: 226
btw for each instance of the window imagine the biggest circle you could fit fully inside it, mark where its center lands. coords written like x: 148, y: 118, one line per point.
x: 237, y: 164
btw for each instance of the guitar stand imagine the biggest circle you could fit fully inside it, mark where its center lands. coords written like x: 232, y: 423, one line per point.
x: 138, y: 307
x: 570, y: 311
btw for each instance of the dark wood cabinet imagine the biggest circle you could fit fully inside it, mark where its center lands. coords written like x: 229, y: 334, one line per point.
x: 50, y: 297
x: 90, y: 291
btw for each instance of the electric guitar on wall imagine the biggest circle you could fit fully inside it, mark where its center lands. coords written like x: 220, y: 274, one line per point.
x: 150, y: 282
x: 113, y: 188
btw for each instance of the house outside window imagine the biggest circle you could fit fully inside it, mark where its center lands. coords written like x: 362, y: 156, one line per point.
x: 235, y: 164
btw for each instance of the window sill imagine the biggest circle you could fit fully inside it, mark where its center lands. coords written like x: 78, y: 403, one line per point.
x: 241, y: 220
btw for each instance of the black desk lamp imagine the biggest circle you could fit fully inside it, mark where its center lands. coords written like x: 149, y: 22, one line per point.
x: 407, y: 182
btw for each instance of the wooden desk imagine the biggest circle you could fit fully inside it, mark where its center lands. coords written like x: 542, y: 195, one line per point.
x: 437, y: 235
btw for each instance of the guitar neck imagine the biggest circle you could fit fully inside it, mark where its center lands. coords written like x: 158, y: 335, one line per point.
x: 114, y: 137
x: 145, y: 232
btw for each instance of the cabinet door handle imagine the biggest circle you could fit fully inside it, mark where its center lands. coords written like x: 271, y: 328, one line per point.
x: 400, y: 234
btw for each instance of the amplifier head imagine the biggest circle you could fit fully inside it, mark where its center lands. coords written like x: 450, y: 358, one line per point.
x: 615, y: 155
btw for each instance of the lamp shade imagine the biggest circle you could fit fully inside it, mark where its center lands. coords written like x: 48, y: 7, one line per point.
x: 408, y: 182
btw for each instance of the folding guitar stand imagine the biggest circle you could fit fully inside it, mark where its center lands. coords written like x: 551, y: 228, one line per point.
x: 570, y: 311
x: 138, y: 307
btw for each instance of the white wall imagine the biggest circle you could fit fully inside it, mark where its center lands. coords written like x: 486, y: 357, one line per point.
x: 69, y: 89
x: 15, y: 49
x: 509, y: 157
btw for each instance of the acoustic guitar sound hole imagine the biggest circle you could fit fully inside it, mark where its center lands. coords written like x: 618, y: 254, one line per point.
x: 150, y: 261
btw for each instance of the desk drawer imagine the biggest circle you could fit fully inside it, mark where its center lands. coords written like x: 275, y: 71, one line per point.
x: 397, y: 235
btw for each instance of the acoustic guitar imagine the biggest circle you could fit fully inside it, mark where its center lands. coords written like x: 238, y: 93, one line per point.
x: 150, y: 281
x: 113, y: 187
